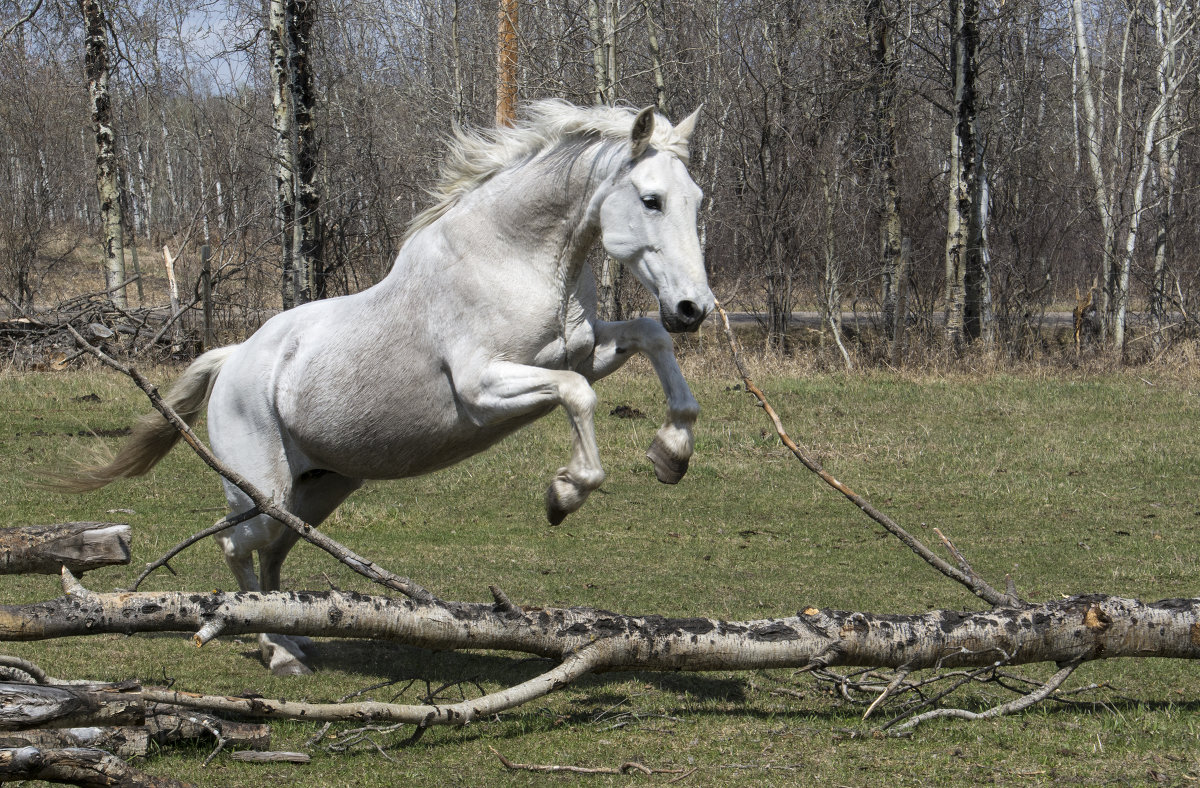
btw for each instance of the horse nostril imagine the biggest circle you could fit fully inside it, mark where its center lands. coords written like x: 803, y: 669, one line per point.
x: 689, y: 311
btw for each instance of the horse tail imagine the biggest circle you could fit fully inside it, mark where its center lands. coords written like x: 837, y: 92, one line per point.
x: 152, y: 436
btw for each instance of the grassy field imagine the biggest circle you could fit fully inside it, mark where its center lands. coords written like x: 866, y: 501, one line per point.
x: 1069, y: 483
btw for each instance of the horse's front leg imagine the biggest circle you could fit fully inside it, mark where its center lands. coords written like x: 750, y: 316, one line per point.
x: 504, y: 390
x: 615, y: 344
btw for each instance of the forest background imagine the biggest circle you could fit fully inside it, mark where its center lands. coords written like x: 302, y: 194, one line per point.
x: 951, y: 171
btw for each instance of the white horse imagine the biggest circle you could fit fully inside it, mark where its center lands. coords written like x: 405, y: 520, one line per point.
x: 485, y: 323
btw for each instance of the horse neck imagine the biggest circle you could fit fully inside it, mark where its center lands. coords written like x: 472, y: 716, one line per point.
x: 555, y: 199
x: 545, y: 212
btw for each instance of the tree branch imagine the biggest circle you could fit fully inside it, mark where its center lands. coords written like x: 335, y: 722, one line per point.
x: 1012, y: 707
x: 11, y: 28
x: 973, y: 582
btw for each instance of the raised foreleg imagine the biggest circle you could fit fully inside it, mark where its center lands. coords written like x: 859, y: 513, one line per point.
x: 503, y: 391
x: 615, y: 344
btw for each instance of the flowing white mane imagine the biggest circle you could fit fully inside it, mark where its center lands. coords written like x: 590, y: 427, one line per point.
x: 473, y: 157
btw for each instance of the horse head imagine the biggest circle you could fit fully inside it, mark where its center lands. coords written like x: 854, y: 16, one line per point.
x: 648, y: 221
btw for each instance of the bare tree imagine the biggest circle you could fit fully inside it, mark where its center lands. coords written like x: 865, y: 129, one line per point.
x: 289, y: 41
x: 108, y: 184
x: 962, y: 274
x: 1129, y: 167
x: 885, y: 66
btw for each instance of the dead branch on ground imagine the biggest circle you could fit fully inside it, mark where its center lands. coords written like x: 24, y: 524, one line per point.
x: 45, y: 549
x: 625, y: 768
x: 81, y: 766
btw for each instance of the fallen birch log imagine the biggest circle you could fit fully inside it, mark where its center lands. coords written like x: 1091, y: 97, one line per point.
x: 77, y: 766
x: 125, y: 741
x: 1067, y: 631
x: 45, y: 549
x: 166, y: 724
x: 161, y: 727
x: 25, y: 706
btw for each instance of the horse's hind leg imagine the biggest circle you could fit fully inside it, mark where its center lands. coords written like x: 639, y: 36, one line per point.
x: 314, y: 497
x: 615, y: 344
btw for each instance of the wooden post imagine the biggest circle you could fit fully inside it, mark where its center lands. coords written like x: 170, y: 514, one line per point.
x: 210, y: 334
x: 506, y: 72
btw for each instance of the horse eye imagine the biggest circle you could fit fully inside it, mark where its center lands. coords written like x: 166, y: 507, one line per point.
x: 652, y: 202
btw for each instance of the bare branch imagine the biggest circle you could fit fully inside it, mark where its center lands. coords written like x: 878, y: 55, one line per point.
x: 1012, y: 707
x: 23, y: 20
x: 977, y: 585
x: 216, y: 528
x: 625, y: 768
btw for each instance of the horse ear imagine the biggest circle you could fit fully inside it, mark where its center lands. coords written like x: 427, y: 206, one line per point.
x: 685, y: 127
x: 643, y: 128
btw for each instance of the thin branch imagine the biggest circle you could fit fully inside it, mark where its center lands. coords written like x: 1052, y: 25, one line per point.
x: 1012, y: 707
x: 901, y: 674
x: 625, y: 768
x: 25, y: 666
x: 598, y: 654
x: 216, y: 528
x: 22, y: 20
x: 977, y: 585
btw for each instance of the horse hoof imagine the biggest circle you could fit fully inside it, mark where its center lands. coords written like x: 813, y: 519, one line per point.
x: 555, y: 511
x: 289, y: 667
x: 283, y: 655
x: 667, y: 467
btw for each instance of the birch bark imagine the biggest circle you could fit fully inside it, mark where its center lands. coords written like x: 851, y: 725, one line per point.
x: 108, y: 186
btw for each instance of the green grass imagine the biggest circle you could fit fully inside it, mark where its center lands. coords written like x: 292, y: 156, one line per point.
x: 1071, y: 485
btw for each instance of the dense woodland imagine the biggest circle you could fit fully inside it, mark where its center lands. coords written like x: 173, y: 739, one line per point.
x: 956, y: 167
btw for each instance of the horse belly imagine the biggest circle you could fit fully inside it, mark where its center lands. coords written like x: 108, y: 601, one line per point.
x: 400, y: 443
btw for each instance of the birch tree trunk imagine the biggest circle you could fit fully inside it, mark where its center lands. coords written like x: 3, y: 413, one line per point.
x: 886, y: 68
x: 979, y: 315
x: 45, y: 549
x: 603, y: 33
x: 308, y: 265
x: 602, y: 84
x: 656, y: 64
x: 281, y: 122
x: 1078, y: 628
x: 832, y: 302
x: 108, y: 185
x: 1173, y: 25
x: 964, y: 16
x: 1168, y: 169
x: 1168, y: 21
x: 456, y: 112
x: 1092, y: 138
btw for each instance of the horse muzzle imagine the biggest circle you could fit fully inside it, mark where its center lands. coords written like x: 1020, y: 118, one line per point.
x: 686, y: 316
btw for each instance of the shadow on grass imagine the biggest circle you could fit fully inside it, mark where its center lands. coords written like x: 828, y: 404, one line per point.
x: 384, y: 661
